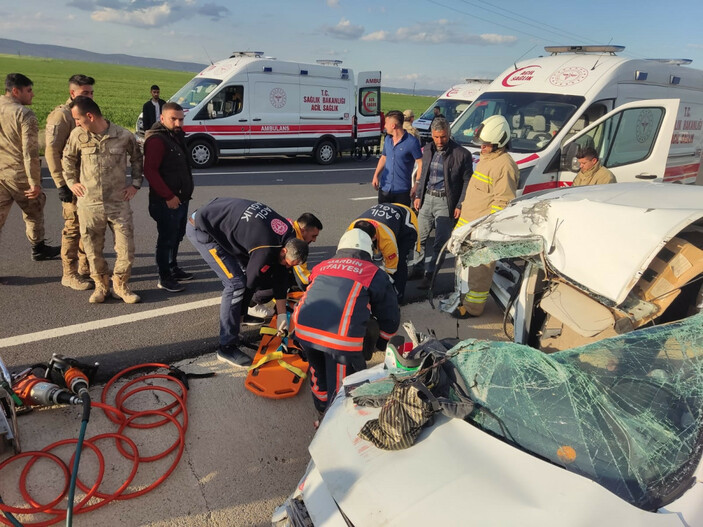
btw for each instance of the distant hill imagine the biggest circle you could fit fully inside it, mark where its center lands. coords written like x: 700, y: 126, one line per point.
x: 15, y: 47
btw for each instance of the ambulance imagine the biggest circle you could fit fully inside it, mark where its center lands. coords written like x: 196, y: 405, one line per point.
x: 250, y: 105
x: 643, y: 116
x: 452, y: 102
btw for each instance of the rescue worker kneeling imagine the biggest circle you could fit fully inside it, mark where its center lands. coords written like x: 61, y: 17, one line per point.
x: 335, y: 316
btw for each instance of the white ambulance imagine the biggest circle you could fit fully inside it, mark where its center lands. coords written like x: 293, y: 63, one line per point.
x: 644, y: 117
x: 253, y: 105
x: 452, y: 104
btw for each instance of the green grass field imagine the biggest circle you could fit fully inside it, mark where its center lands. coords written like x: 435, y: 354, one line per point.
x: 122, y: 90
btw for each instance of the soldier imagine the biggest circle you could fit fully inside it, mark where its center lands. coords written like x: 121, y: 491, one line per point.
x: 59, y: 125
x: 20, y: 177
x: 94, y: 168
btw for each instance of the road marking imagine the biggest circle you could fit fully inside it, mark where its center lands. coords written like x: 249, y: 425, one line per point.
x: 105, y: 323
x: 281, y: 171
x: 362, y: 199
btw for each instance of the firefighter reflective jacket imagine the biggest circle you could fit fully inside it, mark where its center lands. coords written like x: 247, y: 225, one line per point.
x: 393, y: 223
x: 344, y: 292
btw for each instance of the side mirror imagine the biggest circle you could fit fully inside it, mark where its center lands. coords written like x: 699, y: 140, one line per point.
x: 569, y: 161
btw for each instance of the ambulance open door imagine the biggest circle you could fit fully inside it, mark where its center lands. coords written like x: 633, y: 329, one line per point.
x: 632, y: 141
x: 368, y: 108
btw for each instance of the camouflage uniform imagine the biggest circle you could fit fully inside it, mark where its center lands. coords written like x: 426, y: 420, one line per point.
x: 98, y: 161
x: 20, y: 166
x: 59, y: 125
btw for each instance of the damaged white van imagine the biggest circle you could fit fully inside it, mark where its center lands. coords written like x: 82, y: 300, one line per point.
x: 644, y: 117
x: 452, y: 103
x: 249, y: 105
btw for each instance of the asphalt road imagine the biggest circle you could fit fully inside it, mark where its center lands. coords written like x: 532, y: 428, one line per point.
x: 40, y: 317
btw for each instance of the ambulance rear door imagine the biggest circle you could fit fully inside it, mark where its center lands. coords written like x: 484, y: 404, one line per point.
x: 368, y: 108
x: 632, y: 141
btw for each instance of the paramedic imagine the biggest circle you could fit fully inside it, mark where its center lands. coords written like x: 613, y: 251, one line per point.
x: 491, y: 187
x: 307, y: 228
x: 94, y: 163
x: 20, y: 176
x: 249, y: 246
x: 332, y: 320
x: 592, y: 172
x: 59, y: 125
x: 393, y: 175
x: 439, y: 192
x: 393, y: 229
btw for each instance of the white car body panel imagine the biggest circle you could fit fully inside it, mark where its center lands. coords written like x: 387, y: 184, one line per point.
x: 455, y: 474
x: 587, y: 219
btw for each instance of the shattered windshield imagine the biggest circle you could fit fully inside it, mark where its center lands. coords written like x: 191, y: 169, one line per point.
x: 626, y: 412
x: 534, y: 118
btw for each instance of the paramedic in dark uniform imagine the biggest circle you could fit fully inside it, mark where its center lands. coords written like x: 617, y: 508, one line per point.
x: 332, y: 319
x: 249, y: 246
x: 393, y: 229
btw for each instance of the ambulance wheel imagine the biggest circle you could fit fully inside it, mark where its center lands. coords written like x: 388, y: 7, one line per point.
x: 325, y: 153
x: 202, y: 154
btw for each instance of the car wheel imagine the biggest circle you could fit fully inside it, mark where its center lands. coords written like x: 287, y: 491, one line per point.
x: 202, y: 154
x: 325, y: 153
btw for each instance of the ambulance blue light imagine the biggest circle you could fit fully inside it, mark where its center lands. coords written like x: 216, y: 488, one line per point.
x: 268, y: 69
x: 303, y: 72
x: 640, y: 75
x: 673, y: 79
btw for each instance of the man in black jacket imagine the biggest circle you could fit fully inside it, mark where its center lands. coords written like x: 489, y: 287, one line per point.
x: 250, y: 247
x: 439, y: 190
x: 151, y: 111
x: 167, y: 169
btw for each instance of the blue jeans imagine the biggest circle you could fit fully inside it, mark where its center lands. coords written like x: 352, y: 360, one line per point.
x: 434, y: 213
x: 171, y: 227
x: 230, y: 271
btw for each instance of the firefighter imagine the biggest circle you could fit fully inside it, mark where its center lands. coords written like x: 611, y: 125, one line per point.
x: 250, y: 247
x: 592, y: 172
x: 393, y: 229
x: 59, y: 125
x: 336, y: 315
x: 491, y: 187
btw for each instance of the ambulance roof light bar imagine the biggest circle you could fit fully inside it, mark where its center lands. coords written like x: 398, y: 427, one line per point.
x: 329, y: 62
x: 675, y: 62
x: 255, y: 54
x: 480, y: 81
x: 555, y: 50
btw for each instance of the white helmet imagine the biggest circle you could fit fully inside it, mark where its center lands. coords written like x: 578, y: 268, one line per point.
x: 356, y: 239
x: 493, y: 131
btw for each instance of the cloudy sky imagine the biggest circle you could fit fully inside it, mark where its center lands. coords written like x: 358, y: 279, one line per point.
x: 423, y: 43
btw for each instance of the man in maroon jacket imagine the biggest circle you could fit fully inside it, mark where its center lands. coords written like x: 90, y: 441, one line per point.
x: 167, y: 169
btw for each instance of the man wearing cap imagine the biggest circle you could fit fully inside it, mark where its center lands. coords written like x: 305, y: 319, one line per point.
x: 408, y: 118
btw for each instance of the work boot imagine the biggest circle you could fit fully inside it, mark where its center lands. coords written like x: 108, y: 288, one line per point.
x: 76, y: 281
x: 42, y: 251
x: 121, y: 289
x: 102, y: 289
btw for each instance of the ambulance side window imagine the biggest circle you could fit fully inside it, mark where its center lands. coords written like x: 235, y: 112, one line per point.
x: 227, y: 102
x: 626, y: 137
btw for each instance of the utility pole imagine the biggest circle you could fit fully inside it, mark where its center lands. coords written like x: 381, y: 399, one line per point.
x: 414, y: 88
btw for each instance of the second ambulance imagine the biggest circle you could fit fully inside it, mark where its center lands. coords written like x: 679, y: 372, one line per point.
x: 643, y: 116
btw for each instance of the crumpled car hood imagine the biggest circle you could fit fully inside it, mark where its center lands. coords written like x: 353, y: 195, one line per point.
x: 601, y: 237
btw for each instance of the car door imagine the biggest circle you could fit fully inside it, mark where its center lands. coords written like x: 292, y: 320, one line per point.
x: 632, y: 141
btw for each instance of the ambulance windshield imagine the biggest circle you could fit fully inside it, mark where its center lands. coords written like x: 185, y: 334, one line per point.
x: 449, y: 108
x: 194, y: 92
x: 534, y: 118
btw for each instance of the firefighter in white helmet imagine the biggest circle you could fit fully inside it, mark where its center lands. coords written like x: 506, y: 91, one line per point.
x: 491, y: 187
